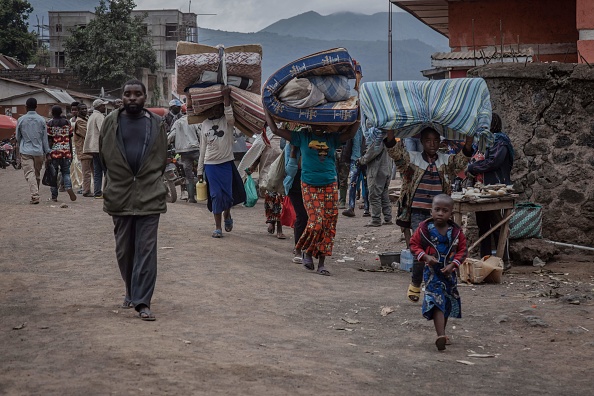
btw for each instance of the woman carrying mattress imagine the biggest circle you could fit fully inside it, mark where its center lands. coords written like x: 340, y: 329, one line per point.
x: 225, y: 187
x: 319, y: 187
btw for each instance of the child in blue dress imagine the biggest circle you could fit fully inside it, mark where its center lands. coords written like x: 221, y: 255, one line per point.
x: 441, y: 245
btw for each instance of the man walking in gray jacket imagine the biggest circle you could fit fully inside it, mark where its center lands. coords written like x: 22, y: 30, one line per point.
x: 31, y: 135
x: 187, y: 146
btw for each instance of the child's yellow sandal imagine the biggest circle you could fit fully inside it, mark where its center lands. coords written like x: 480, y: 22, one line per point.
x: 414, y: 293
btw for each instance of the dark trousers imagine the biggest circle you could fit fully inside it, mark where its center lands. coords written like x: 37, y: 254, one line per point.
x: 485, y: 221
x: 416, y: 218
x: 136, y: 252
x: 98, y: 173
x: 296, y: 198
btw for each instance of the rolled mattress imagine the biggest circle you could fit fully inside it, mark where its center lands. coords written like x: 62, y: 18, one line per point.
x: 336, y: 61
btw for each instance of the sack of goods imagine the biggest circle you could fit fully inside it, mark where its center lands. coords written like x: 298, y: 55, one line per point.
x: 314, y: 90
x: 202, y: 71
x: 455, y: 108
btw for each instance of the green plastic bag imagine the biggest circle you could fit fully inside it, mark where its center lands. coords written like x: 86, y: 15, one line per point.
x: 251, y: 192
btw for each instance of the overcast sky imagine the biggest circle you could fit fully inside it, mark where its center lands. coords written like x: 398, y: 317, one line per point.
x: 254, y: 15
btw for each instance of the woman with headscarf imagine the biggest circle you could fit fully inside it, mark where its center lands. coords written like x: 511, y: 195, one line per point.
x: 496, y: 169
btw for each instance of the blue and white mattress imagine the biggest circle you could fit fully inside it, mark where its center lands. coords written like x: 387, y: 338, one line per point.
x: 331, y: 62
x: 455, y: 108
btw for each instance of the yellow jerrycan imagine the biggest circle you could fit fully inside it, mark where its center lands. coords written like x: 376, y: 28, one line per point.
x: 201, y: 194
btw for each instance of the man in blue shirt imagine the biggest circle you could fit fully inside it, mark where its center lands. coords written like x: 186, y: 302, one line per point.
x: 31, y: 134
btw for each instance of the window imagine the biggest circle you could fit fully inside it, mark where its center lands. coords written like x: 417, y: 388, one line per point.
x: 58, y: 28
x: 171, y: 32
x: 81, y: 26
x: 59, y: 59
x: 170, y: 59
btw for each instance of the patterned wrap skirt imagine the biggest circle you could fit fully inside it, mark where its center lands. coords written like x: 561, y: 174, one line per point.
x: 441, y: 292
x: 273, y: 206
x: 321, y: 204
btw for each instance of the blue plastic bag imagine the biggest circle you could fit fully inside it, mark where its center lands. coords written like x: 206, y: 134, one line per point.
x: 251, y: 192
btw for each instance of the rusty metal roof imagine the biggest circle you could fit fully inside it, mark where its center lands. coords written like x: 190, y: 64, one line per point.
x: 433, y: 13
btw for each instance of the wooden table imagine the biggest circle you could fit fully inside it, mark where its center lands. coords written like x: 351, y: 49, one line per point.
x: 506, y: 204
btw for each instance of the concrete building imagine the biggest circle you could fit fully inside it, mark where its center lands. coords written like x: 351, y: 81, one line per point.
x: 164, y: 28
x: 507, y: 31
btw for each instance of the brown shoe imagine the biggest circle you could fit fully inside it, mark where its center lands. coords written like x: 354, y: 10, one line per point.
x: 71, y: 194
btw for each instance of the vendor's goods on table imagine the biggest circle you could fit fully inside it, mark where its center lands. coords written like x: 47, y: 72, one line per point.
x: 455, y: 108
x: 480, y: 192
x: 314, y: 90
x: 202, y: 72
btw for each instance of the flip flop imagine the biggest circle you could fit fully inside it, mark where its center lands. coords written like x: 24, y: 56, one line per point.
x: 440, y: 343
x: 146, y: 315
x: 281, y: 236
x: 324, y: 272
x: 217, y: 234
x: 413, y: 293
x: 229, y: 225
x: 127, y: 305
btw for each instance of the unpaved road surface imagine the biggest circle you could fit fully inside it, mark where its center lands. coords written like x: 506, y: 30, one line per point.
x: 236, y: 317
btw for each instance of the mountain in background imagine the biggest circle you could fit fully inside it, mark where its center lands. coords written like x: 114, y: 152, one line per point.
x: 359, y: 27
x: 410, y: 56
x: 365, y: 36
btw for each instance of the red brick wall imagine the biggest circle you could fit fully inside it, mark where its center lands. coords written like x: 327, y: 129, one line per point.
x: 534, y: 21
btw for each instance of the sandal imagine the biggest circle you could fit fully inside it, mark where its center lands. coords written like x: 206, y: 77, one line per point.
x: 229, y: 224
x: 413, y: 293
x: 147, y: 315
x: 217, y: 234
x: 127, y: 305
x: 440, y: 343
x: 324, y: 272
x: 308, y: 263
x: 281, y: 236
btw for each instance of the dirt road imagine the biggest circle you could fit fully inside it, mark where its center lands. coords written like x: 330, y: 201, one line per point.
x: 235, y: 316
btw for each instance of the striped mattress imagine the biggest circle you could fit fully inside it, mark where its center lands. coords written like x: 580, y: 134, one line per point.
x: 455, y: 108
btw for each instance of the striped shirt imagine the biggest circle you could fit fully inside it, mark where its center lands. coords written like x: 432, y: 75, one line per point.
x: 429, y: 187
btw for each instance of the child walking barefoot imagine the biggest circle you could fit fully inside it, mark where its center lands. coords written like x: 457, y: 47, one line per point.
x: 441, y: 245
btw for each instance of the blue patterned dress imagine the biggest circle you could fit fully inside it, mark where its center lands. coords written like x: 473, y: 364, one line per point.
x: 441, y: 290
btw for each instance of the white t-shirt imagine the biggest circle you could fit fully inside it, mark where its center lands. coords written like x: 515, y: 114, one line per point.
x: 216, y: 140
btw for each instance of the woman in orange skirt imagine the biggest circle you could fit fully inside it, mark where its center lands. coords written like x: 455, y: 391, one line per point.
x: 319, y: 186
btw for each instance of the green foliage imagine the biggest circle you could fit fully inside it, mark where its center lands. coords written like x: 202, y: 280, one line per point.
x: 110, y: 49
x: 15, y: 39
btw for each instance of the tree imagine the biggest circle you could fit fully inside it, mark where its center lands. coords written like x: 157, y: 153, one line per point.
x: 110, y: 49
x: 15, y: 39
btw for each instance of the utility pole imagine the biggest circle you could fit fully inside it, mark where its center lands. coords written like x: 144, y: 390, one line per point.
x: 389, y: 40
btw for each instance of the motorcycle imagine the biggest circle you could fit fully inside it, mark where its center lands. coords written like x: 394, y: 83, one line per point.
x: 8, y: 155
x: 174, y: 176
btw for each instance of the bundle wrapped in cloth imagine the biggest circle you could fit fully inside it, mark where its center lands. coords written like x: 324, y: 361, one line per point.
x: 202, y: 71
x: 455, y: 108
x: 314, y: 90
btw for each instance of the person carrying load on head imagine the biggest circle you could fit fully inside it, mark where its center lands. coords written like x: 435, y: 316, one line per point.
x: 425, y: 175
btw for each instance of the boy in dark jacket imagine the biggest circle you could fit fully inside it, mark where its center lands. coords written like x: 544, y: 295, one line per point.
x: 133, y: 151
x: 441, y: 245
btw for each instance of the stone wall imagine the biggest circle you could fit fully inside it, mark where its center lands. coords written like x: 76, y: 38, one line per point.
x: 548, y: 112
